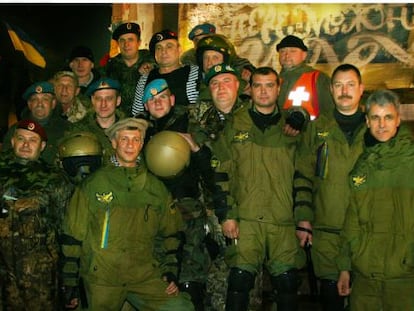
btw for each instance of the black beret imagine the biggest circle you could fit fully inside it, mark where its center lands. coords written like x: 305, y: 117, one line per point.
x: 161, y: 36
x: 126, y: 28
x: 293, y: 42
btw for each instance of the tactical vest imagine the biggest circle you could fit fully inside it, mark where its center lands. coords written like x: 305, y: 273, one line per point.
x: 304, y: 94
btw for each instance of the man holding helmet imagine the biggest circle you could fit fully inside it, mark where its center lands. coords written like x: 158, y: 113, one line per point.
x: 185, y: 187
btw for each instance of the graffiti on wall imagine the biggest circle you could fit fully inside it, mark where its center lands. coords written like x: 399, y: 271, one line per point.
x: 377, y: 38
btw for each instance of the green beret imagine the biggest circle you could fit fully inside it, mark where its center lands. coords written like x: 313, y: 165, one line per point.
x: 126, y: 28
x: 153, y: 88
x: 38, y: 88
x: 219, y: 69
x: 102, y: 84
x: 128, y: 123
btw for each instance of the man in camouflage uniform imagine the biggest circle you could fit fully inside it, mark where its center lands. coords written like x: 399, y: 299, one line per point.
x: 33, y: 199
x: 110, y: 231
x: 185, y: 188
x: 106, y: 99
x: 211, y: 119
x: 41, y: 107
x: 128, y: 66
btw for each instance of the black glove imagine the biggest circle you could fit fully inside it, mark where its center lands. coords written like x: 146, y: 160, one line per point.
x: 296, y: 119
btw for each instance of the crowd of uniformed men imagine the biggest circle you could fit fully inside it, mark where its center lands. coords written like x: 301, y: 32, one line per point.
x: 278, y: 163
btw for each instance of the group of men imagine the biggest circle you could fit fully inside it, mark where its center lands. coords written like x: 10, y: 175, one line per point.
x: 300, y: 164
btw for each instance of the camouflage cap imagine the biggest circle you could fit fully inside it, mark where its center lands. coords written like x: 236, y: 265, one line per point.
x: 219, y: 69
x: 153, y: 88
x: 32, y: 126
x: 128, y: 123
x: 38, y: 88
x: 127, y: 28
x: 202, y: 29
x: 102, y: 84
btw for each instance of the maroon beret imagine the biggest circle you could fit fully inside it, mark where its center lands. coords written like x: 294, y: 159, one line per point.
x: 32, y: 126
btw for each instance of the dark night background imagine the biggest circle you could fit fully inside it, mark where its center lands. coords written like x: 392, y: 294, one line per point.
x: 57, y: 28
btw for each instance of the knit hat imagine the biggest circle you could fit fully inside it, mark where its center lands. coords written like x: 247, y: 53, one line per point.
x: 291, y: 41
x: 81, y: 51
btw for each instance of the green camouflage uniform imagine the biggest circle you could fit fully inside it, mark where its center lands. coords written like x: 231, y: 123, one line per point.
x: 54, y: 126
x: 114, y: 221
x: 127, y: 76
x: 34, y: 197
x: 207, y: 124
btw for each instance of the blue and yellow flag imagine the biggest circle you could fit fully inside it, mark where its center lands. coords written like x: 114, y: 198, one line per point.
x: 30, y: 49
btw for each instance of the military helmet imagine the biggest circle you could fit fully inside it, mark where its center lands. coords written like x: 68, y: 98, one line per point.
x: 167, y: 154
x: 217, y: 43
x: 79, y: 144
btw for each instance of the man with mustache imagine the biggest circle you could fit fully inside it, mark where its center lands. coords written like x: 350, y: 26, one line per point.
x: 329, y: 149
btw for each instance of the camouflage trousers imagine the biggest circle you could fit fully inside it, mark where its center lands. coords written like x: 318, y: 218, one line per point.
x: 217, y: 287
x: 33, y: 288
x: 195, y: 260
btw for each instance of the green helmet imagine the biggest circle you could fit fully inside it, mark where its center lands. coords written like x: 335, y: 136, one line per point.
x: 167, y: 154
x: 217, y: 43
x: 79, y: 144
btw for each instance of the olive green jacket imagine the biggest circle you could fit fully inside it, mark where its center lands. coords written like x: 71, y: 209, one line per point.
x: 112, y: 224
x: 324, y: 160
x: 260, y: 168
x: 378, y: 235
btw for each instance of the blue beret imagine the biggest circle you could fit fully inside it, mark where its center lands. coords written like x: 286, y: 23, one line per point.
x: 153, y: 88
x: 39, y: 87
x: 219, y: 69
x: 126, y: 28
x: 292, y: 42
x: 102, y: 84
x: 202, y: 29
x: 161, y: 36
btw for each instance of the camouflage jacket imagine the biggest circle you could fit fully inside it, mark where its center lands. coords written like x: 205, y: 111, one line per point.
x: 33, y: 200
x: 127, y: 76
